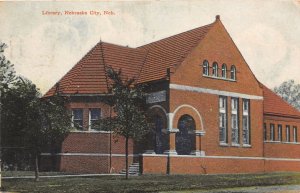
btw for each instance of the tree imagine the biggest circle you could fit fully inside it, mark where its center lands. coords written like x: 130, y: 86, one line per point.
x: 27, y: 120
x: 128, y: 102
x: 7, y: 72
x: 7, y: 77
x: 290, y: 92
x: 44, y: 122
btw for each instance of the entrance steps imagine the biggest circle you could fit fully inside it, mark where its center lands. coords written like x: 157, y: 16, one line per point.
x: 133, y: 169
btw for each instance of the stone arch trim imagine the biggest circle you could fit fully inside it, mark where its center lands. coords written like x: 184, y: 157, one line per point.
x: 190, y: 110
x: 158, y: 109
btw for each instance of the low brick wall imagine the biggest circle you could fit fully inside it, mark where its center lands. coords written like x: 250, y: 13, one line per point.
x: 161, y: 164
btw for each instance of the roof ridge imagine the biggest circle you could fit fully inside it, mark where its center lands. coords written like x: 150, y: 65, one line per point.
x: 83, y: 58
x: 145, y: 59
x: 68, y: 82
x: 103, y: 60
x: 172, y: 36
x: 183, y: 57
x: 114, y: 44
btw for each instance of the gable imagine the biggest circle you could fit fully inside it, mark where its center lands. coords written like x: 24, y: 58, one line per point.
x: 217, y: 46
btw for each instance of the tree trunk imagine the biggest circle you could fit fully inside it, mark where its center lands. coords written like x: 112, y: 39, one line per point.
x: 126, y: 147
x: 36, y: 167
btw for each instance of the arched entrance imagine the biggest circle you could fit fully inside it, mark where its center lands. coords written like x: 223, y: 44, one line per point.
x: 157, y: 141
x: 185, y: 138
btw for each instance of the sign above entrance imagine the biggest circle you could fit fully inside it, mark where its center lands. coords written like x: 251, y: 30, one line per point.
x: 156, y: 97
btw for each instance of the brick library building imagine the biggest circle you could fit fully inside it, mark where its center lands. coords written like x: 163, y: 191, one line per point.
x: 210, y: 113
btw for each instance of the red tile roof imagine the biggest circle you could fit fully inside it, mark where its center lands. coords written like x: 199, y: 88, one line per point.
x: 146, y: 63
x: 88, y: 76
x: 170, y: 52
x: 275, y: 105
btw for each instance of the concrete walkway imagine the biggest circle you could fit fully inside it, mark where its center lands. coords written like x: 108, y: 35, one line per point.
x: 60, y: 176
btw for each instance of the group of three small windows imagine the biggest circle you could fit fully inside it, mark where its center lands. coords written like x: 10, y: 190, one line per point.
x: 215, y: 69
x: 279, y: 133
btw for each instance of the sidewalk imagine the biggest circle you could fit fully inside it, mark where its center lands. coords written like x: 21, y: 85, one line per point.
x: 60, y: 176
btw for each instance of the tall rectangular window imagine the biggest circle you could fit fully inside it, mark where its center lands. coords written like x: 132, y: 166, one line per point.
x: 246, y: 121
x: 77, y: 118
x: 265, y: 132
x: 295, y: 134
x: 223, y: 119
x: 287, y: 133
x: 279, y: 132
x: 235, y: 121
x: 272, y: 133
x: 94, y: 116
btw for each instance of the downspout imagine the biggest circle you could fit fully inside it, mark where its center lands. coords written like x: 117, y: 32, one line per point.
x: 110, y: 148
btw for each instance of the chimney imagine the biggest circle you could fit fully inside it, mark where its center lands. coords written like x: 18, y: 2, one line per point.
x: 217, y: 17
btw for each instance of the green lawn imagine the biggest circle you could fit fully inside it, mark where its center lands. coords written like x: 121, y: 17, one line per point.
x: 147, y: 183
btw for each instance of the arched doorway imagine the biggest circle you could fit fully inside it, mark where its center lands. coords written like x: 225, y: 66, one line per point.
x: 185, y: 138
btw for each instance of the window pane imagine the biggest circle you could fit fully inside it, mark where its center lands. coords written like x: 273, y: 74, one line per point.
x: 224, y: 70
x: 78, y: 118
x: 78, y: 124
x: 272, y: 132
x: 222, y: 119
x: 95, y: 114
x: 234, y: 103
x: 279, y: 133
x: 245, y: 105
x: 287, y: 133
x: 295, y: 134
x: 232, y: 73
x: 78, y: 114
x: 205, y: 67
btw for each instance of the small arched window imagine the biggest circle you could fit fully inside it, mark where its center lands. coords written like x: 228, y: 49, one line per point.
x: 224, y: 71
x: 215, y: 69
x: 233, y: 72
x: 205, y: 68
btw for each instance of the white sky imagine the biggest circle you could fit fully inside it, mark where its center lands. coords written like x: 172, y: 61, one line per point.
x: 43, y: 48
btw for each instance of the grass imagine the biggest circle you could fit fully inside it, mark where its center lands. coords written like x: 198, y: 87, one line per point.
x: 148, y: 183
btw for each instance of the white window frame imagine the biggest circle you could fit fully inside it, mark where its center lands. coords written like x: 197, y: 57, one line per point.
x: 295, y: 134
x: 223, y: 115
x: 205, y: 68
x: 246, y: 116
x: 287, y: 130
x: 235, y: 134
x: 224, y: 71
x: 215, y: 69
x: 272, y: 132
x: 279, y: 130
x: 73, y: 118
x: 265, y: 132
x: 90, y: 117
x: 233, y: 72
